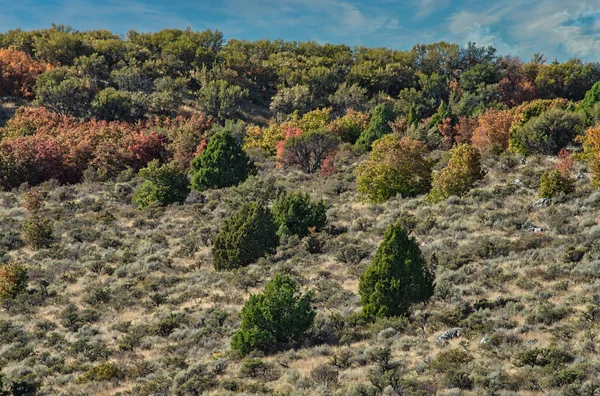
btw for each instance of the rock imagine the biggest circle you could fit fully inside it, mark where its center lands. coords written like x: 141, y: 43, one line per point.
x: 580, y: 176
x: 523, y: 161
x: 540, y: 203
x: 518, y: 181
x: 484, y: 340
x: 450, y: 334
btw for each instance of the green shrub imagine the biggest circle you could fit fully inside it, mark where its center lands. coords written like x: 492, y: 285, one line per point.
x: 378, y: 127
x: 163, y: 185
x: 246, y: 236
x: 395, y: 166
x: 463, y: 170
x: 553, y: 183
x: 38, y: 232
x: 102, y: 372
x: 542, y: 357
x: 592, y: 97
x: 397, y: 277
x: 222, y: 163
x: 547, y: 134
x: 13, y: 280
x: 278, y: 317
x: 296, y: 215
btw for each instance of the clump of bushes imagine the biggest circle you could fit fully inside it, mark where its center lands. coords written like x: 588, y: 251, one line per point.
x: 463, y: 170
x: 163, y: 185
x: 397, y: 278
x: 278, y: 317
x: 13, y: 280
x: 378, y: 127
x: 222, y: 163
x: 395, y: 166
x: 102, y: 372
x: 297, y: 215
x: 38, y: 232
x: 553, y: 183
x: 247, y: 235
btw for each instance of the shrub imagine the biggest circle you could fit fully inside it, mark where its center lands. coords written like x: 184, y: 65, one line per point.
x: 553, y: 183
x: 13, y: 280
x: 394, y: 167
x: 378, y: 127
x: 308, y: 150
x: 491, y: 133
x: 591, y: 152
x: 163, y: 185
x: 397, y: 277
x: 222, y: 164
x: 591, y: 98
x: 246, y: 236
x: 278, y: 317
x: 102, y: 372
x: 547, y: 133
x: 18, y: 73
x: 38, y: 232
x: 296, y: 215
x: 349, y: 127
x: 462, y: 171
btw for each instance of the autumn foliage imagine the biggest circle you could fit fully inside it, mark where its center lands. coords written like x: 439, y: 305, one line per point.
x: 492, y: 131
x: 18, y: 73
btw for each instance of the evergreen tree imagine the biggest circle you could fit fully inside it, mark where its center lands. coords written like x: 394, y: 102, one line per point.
x: 397, y: 278
x: 245, y: 237
x: 223, y: 163
x: 278, y: 317
x: 295, y: 214
x: 378, y: 127
x: 163, y: 185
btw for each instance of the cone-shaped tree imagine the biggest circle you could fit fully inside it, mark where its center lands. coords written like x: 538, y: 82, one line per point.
x: 378, y: 127
x: 295, y: 214
x: 245, y: 237
x: 278, y: 317
x: 222, y: 163
x: 397, y: 278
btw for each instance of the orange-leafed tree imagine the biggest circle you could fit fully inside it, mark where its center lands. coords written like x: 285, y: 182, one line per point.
x: 492, y: 131
x: 18, y: 73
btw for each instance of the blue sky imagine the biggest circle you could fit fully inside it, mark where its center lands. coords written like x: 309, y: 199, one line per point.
x: 560, y: 29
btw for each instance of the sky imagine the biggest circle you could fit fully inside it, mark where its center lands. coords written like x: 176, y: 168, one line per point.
x: 559, y: 29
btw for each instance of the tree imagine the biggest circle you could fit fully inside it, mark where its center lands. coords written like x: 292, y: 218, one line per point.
x: 163, y: 185
x: 397, y: 278
x: 491, y: 133
x: 591, y: 98
x: 13, y: 281
x: 553, y: 183
x: 395, y: 166
x: 378, y: 127
x: 278, y: 317
x: 246, y: 236
x: 38, y: 232
x: 18, y: 73
x: 222, y: 164
x: 296, y: 98
x: 349, y: 127
x: 220, y: 99
x: 591, y: 152
x: 112, y: 105
x: 308, y: 150
x: 64, y: 93
x: 297, y: 215
x: 349, y: 97
x: 462, y: 171
x: 546, y: 134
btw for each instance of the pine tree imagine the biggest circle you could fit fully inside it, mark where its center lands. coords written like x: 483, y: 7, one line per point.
x: 222, y: 163
x: 248, y: 235
x: 397, y: 278
x: 163, y: 185
x: 278, y: 317
x: 378, y: 127
x: 295, y: 214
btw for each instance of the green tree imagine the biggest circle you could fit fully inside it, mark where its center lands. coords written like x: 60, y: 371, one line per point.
x: 546, y: 134
x: 13, y: 281
x: 296, y: 98
x: 246, y: 236
x: 38, y: 232
x: 278, y: 317
x: 163, y: 185
x: 397, y: 278
x: 296, y: 214
x: 553, y: 183
x: 112, y: 105
x: 220, y: 99
x: 64, y: 93
x: 222, y: 163
x: 378, y: 127
x: 349, y: 97
x: 395, y: 166
x: 462, y: 171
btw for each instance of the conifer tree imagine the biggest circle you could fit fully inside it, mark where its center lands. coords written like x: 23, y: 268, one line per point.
x: 378, y: 127
x: 397, y: 278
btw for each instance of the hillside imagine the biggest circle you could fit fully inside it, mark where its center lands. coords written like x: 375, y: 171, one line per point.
x: 150, y: 194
